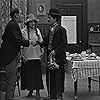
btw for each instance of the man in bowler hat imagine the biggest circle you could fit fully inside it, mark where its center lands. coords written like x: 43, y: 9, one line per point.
x: 56, y: 43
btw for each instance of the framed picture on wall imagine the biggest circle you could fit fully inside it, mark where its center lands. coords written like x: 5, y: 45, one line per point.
x: 41, y: 9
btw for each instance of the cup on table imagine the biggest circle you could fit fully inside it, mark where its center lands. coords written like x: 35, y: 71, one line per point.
x: 83, y: 54
x: 67, y: 54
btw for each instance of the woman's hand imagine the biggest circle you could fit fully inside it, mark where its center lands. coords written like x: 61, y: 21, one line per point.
x: 34, y: 43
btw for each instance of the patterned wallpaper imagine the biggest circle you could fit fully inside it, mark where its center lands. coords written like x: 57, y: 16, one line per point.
x: 4, y: 14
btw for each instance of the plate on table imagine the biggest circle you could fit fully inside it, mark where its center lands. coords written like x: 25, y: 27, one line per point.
x: 91, y: 58
x: 77, y: 59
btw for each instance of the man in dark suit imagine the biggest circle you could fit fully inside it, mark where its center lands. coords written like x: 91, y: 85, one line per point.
x: 56, y: 43
x: 10, y: 48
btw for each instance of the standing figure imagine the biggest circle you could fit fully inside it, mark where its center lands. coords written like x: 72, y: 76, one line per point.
x: 56, y: 43
x: 31, y: 75
x: 10, y: 48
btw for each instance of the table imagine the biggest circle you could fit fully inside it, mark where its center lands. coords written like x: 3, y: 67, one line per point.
x: 80, y: 69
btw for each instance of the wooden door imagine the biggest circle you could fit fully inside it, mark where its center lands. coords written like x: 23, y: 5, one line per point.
x: 77, y: 10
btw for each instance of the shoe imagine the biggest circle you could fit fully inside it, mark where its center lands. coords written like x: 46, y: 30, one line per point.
x: 38, y: 94
x: 47, y: 98
x: 30, y: 94
x: 59, y: 97
x: 9, y: 99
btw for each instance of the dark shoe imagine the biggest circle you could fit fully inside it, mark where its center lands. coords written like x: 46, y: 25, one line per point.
x: 38, y: 94
x: 46, y: 98
x: 59, y: 97
x: 30, y: 94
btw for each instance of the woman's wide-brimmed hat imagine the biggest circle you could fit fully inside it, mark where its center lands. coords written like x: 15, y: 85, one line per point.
x: 54, y: 11
x: 31, y: 17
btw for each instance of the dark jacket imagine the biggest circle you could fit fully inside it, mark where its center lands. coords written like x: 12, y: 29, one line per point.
x: 12, y: 41
x: 59, y: 43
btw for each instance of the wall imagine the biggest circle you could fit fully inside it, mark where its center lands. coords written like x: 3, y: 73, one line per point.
x: 94, y: 18
x: 93, y: 11
x: 33, y: 9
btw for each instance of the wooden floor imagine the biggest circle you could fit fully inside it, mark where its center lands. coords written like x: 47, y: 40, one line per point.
x: 83, y: 93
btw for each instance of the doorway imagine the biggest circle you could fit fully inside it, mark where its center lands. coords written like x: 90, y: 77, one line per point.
x: 74, y: 19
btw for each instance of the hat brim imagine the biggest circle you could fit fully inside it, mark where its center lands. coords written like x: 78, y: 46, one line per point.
x: 54, y: 14
x: 29, y: 20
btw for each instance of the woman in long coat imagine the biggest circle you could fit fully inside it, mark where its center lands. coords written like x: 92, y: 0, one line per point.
x: 31, y: 76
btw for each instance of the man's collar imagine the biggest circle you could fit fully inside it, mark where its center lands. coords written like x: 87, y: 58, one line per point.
x: 15, y: 20
x: 54, y: 24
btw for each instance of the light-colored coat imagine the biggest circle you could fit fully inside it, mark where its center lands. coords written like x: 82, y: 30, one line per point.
x: 32, y: 52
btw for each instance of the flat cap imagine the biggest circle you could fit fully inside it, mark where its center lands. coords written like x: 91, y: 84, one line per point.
x: 13, y: 11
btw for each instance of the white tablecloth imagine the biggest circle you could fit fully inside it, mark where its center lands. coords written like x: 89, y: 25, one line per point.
x: 83, y: 69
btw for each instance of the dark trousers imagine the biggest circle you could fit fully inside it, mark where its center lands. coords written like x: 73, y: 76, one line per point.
x: 55, y: 82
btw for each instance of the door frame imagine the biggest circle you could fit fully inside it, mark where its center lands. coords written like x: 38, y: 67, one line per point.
x: 83, y: 3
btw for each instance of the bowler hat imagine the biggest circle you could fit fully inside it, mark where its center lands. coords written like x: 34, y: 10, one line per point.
x: 54, y: 11
x: 31, y: 17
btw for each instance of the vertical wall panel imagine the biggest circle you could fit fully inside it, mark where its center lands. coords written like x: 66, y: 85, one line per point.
x: 4, y: 15
x: 93, y: 11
